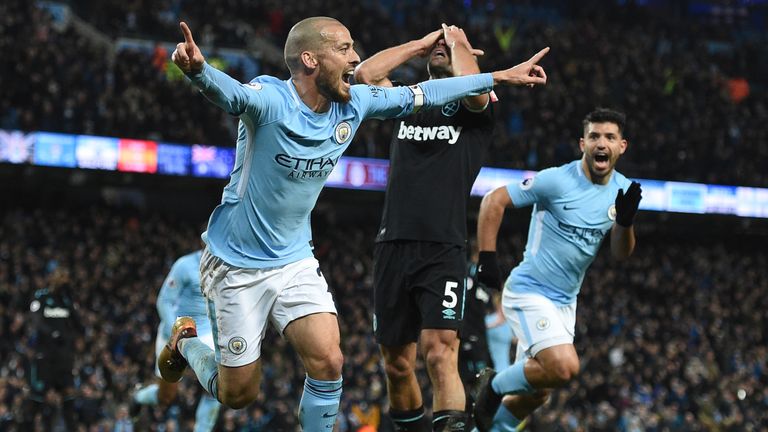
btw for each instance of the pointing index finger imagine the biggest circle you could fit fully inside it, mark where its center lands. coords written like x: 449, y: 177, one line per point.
x: 187, y: 33
x: 536, y: 57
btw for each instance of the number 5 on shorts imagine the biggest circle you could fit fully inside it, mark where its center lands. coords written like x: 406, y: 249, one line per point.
x: 451, y: 299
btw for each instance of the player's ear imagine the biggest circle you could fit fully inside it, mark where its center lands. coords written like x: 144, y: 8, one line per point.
x: 309, y: 60
x: 623, y: 146
x: 581, y: 144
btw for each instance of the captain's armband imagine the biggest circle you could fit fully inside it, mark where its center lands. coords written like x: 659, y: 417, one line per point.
x: 418, y: 97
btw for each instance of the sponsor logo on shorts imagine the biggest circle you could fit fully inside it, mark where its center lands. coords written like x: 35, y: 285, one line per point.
x: 237, y: 345
x: 542, y: 324
x: 449, y: 314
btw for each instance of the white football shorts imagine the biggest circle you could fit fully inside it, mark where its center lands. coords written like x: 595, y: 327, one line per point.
x: 242, y: 300
x: 537, y: 322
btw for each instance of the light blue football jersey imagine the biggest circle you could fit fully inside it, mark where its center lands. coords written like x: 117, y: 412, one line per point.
x: 285, y: 153
x: 180, y: 295
x: 570, y: 217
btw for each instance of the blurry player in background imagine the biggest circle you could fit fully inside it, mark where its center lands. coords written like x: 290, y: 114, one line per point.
x: 420, y: 252
x: 498, y: 334
x: 574, y: 207
x: 258, y: 264
x: 180, y: 295
x: 55, y: 325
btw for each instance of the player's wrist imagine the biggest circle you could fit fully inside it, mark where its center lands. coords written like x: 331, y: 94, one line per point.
x: 625, y: 220
x: 625, y: 223
x: 196, y: 72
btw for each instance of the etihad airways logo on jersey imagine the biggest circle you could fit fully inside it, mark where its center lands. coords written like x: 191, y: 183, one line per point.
x: 307, y: 168
x: 418, y: 133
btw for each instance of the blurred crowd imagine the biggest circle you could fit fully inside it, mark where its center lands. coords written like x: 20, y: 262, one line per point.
x: 693, y: 86
x: 672, y: 340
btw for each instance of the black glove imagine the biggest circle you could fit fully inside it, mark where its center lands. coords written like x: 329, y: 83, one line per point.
x: 627, y: 203
x: 488, y: 270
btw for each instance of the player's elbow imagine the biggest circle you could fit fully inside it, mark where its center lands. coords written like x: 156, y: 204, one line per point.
x: 495, y: 201
x: 363, y: 75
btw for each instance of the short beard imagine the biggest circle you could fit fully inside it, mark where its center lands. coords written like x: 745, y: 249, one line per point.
x: 327, y: 87
x: 439, y: 71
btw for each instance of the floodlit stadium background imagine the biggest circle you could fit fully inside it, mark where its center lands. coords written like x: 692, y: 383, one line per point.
x: 110, y: 163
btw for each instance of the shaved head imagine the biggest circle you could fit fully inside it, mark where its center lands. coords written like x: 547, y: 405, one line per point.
x: 307, y: 35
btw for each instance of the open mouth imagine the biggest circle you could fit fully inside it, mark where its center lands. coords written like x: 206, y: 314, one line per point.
x: 601, y: 160
x: 346, y: 77
x: 439, y: 53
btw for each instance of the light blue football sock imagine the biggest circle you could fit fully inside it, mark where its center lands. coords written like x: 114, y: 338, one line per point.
x: 206, y: 414
x: 504, y: 421
x: 146, y: 395
x: 203, y: 361
x: 319, y: 404
x: 512, y: 380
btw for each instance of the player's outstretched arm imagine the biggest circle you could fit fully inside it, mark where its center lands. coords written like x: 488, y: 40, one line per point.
x: 622, y: 232
x: 397, y: 102
x: 488, y: 222
x: 221, y: 89
x: 376, y: 69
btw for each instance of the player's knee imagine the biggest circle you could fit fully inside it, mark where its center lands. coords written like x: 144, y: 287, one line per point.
x: 325, y: 365
x: 564, y: 372
x: 398, y: 369
x: 440, y: 358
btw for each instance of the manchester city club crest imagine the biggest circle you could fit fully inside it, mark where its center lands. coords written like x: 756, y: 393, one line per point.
x: 612, y: 212
x: 237, y: 345
x: 542, y: 324
x: 343, y: 132
x: 450, y: 109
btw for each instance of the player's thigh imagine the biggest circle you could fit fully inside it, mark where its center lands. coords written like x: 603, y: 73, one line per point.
x: 440, y: 285
x: 396, y: 317
x: 239, y: 304
x: 316, y: 339
x: 305, y: 314
x: 313, y: 334
x: 239, y: 383
x: 537, y: 322
x: 558, y: 357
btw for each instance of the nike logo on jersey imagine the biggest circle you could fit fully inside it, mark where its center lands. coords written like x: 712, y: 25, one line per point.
x: 565, y: 207
x: 418, y: 133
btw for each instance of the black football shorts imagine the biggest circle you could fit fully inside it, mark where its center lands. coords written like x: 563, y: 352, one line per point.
x: 417, y: 285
